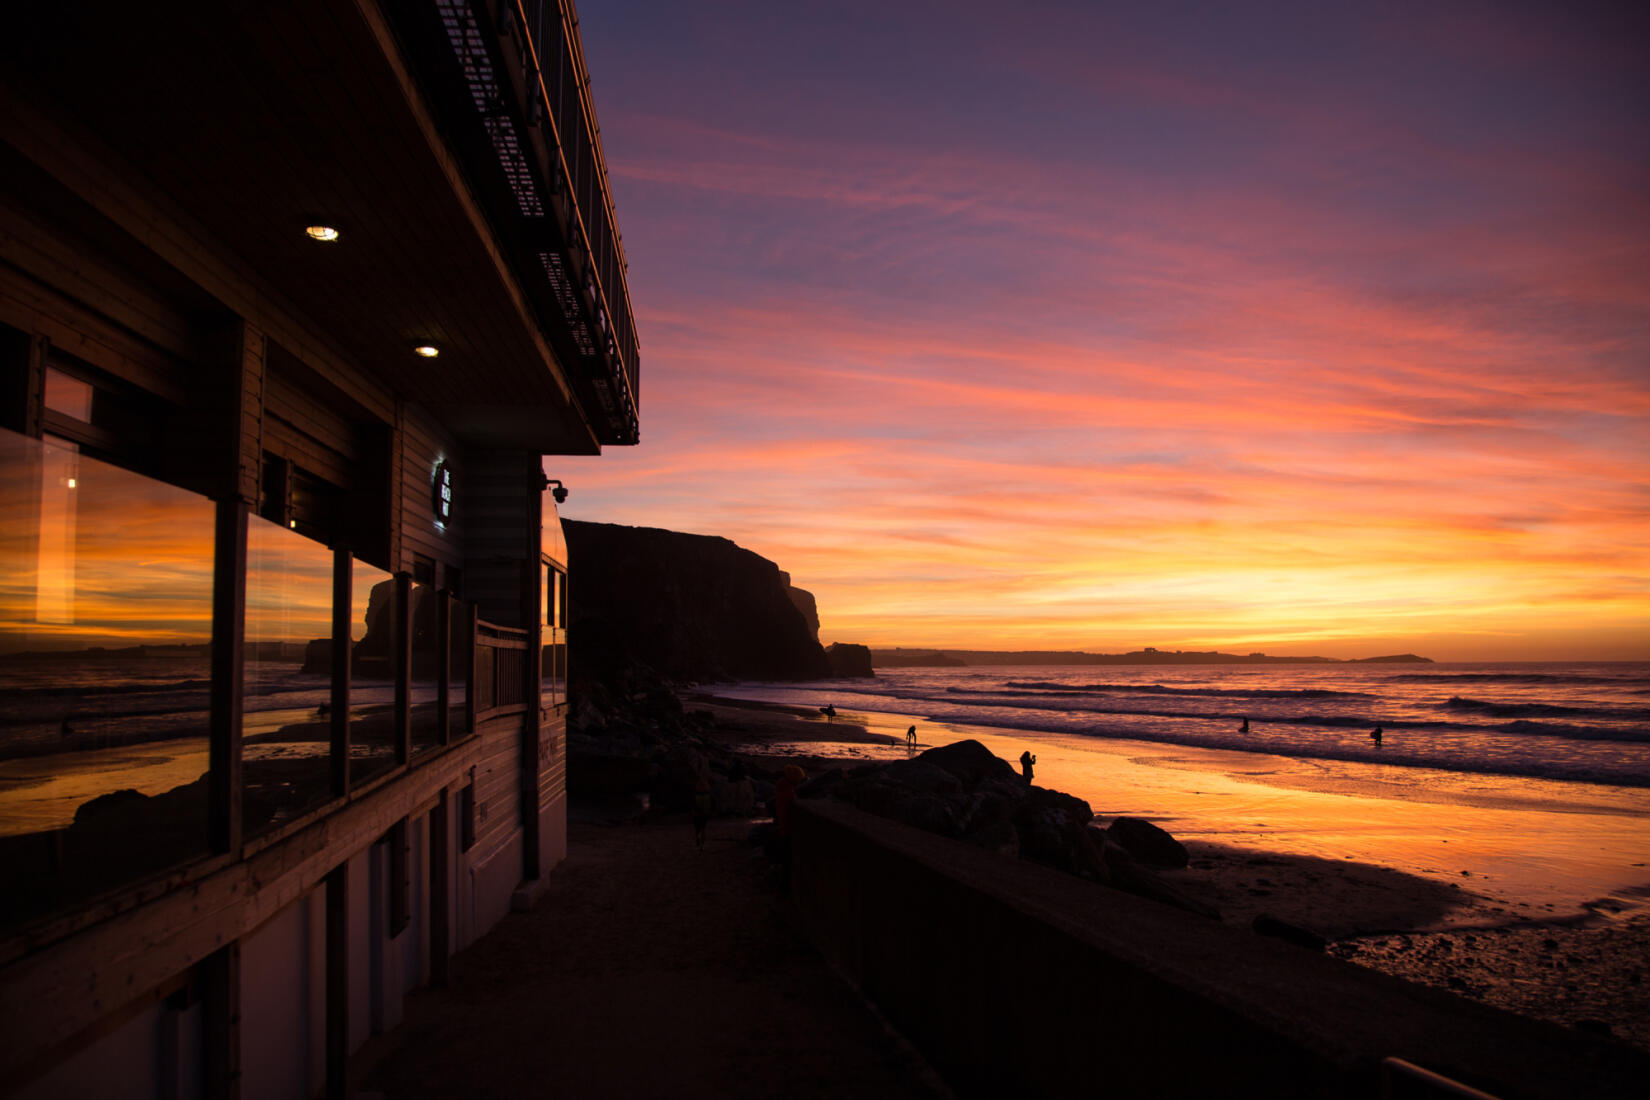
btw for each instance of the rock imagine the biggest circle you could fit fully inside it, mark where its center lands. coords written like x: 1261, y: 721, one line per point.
x: 971, y: 762
x: 679, y: 770
x: 1126, y: 874
x: 920, y: 775
x: 996, y: 836
x: 1277, y: 928
x: 849, y: 660
x: 924, y: 811
x: 823, y: 784
x: 736, y: 796
x: 1052, y: 826
x: 607, y: 774
x: 110, y: 805
x: 1148, y: 844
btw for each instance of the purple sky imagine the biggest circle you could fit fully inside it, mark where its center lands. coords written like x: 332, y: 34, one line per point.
x: 1298, y: 327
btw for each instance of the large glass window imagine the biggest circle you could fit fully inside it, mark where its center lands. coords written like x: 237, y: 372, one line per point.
x: 427, y: 642
x: 105, y: 627
x: 286, y: 731
x: 553, y: 670
x: 374, y: 628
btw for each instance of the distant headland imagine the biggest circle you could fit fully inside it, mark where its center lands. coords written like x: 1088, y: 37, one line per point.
x: 952, y: 658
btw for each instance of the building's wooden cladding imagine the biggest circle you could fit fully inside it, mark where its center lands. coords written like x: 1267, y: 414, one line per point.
x: 424, y: 443
x: 501, y: 505
x: 497, y: 784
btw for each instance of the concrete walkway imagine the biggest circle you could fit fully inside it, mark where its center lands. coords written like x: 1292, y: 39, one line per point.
x: 648, y: 968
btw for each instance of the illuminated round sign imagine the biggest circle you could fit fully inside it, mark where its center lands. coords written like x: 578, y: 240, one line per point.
x: 441, y: 493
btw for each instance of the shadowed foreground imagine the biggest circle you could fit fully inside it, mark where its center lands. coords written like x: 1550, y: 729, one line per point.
x: 647, y: 968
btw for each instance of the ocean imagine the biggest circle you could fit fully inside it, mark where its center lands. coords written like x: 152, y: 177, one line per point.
x: 1586, y: 722
x: 1526, y: 786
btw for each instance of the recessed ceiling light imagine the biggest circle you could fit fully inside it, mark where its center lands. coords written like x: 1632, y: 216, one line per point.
x: 321, y: 232
x: 428, y: 351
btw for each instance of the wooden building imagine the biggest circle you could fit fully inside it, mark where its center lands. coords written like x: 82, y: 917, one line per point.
x: 295, y: 300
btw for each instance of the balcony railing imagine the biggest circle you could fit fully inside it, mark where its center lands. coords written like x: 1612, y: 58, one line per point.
x: 510, y: 80
x: 500, y: 684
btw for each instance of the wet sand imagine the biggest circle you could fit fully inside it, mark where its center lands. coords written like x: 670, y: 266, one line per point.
x: 1528, y: 895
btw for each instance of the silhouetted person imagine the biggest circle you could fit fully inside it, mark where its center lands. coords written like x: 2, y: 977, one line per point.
x: 1026, y: 761
x: 702, y: 805
x: 1245, y: 727
x: 911, y: 737
x: 829, y: 711
x: 1375, y: 735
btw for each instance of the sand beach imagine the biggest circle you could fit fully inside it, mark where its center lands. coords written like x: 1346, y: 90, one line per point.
x: 1530, y: 895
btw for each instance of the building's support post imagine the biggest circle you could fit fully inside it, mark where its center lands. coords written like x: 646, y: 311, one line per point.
x: 441, y: 848
x: 221, y: 1014
x: 337, y: 891
x: 23, y: 378
x: 343, y: 597
x: 237, y: 453
x: 403, y: 668
x: 444, y: 666
x: 532, y: 600
x: 228, y: 687
x: 473, y: 614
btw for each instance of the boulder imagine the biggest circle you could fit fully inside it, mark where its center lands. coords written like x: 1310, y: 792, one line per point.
x: 733, y: 796
x: 679, y: 771
x: 1125, y: 873
x: 971, y: 762
x: 1148, y: 844
x: 607, y: 773
x: 920, y: 775
x: 1051, y: 826
x: 898, y: 803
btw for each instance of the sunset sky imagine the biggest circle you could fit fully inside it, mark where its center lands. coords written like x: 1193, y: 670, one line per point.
x: 1308, y: 329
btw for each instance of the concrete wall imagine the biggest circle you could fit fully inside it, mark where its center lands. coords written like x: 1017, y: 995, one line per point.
x: 1013, y: 979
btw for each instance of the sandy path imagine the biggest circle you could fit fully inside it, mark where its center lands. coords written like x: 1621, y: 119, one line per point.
x: 647, y: 969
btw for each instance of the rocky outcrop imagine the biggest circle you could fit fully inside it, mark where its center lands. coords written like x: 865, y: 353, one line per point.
x: 804, y: 602
x: 964, y: 791
x: 849, y: 660
x: 686, y: 607
x: 1148, y: 843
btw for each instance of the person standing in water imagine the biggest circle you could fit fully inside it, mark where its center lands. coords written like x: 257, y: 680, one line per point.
x: 1375, y: 735
x: 1026, y: 761
x: 1245, y: 727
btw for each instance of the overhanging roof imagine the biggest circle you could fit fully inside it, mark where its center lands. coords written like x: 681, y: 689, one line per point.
x: 259, y: 119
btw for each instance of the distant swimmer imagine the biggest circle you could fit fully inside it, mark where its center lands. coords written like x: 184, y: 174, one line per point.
x: 829, y: 711
x: 1245, y: 727
x: 1375, y: 735
x: 911, y: 736
x: 1026, y: 761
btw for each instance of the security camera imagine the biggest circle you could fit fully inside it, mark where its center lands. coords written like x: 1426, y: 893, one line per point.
x: 559, y: 492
